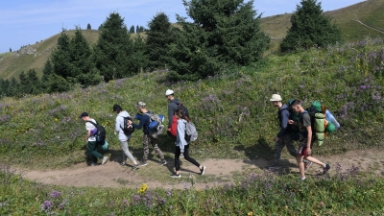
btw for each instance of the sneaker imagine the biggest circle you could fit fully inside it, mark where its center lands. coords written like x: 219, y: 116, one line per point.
x: 94, y: 164
x: 326, y: 168
x: 105, y: 158
x: 202, y: 171
x: 174, y: 175
x: 307, y: 164
x: 163, y: 162
x: 123, y: 164
x: 142, y: 164
x: 135, y: 167
x: 274, y: 167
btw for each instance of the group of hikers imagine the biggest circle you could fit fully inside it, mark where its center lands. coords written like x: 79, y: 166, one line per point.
x: 296, y: 124
x: 150, y: 123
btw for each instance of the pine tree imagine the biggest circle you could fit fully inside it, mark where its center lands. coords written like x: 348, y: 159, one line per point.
x: 10, y: 49
x: 89, y: 27
x: 310, y: 27
x: 14, y: 87
x: 24, y: 83
x: 222, y: 32
x: 33, y: 82
x: 47, y: 71
x: 137, y: 29
x: 61, y: 57
x: 132, y: 29
x: 115, y: 50
x: 159, y: 36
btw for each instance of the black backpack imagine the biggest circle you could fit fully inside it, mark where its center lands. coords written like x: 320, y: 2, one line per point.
x: 101, y: 132
x: 127, y: 130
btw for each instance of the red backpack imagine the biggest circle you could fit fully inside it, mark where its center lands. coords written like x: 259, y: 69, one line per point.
x: 173, y: 130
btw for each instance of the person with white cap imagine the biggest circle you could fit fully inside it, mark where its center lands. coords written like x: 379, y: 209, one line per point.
x: 284, y: 136
x: 173, y: 105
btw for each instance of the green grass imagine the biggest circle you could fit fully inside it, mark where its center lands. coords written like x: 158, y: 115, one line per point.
x: 256, y: 194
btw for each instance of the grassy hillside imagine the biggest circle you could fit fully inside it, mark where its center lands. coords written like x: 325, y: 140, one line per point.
x: 231, y: 111
x: 369, y: 12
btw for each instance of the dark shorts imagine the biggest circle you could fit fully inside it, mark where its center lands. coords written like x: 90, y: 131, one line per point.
x: 302, y: 151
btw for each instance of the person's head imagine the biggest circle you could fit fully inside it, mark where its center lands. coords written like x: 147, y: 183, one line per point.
x: 84, y: 116
x: 141, y: 106
x: 170, y: 94
x: 297, y: 106
x: 276, y: 100
x: 117, y: 108
x: 180, y: 114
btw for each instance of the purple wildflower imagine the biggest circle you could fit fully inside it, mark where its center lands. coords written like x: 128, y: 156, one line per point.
x: 47, y: 205
x: 55, y: 194
x: 168, y: 192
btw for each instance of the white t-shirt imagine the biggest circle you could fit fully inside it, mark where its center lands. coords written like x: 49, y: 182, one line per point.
x: 90, y: 126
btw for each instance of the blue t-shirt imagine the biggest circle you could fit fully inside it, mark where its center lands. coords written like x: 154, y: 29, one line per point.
x: 144, y: 122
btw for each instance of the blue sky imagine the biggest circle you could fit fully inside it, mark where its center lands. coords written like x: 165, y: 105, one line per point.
x: 24, y: 22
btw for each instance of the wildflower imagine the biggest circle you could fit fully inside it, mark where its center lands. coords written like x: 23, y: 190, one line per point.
x: 61, y: 205
x: 250, y: 213
x: 168, y: 192
x: 143, y: 189
x: 56, y: 119
x: 47, y: 205
x: 55, y: 194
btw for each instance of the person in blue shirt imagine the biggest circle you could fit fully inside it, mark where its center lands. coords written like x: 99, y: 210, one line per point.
x: 144, y: 121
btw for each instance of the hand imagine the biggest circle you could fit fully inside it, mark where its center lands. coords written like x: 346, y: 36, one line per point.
x: 291, y: 122
x: 276, y: 139
x: 129, y: 122
x: 309, y: 151
x: 169, y: 129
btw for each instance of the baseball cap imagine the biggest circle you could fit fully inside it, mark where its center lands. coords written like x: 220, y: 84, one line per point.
x: 169, y: 92
x: 276, y: 97
x: 84, y: 114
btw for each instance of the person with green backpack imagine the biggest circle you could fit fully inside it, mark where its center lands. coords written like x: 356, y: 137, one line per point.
x: 145, y: 121
x: 306, y: 138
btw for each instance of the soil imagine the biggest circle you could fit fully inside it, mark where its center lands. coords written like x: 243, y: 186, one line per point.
x: 219, y: 171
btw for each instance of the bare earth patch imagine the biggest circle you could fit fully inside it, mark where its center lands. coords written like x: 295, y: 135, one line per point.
x: 219, y: 171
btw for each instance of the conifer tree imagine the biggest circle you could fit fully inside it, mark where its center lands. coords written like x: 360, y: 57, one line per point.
x: 89, y: 27
x: 132, y: 29
x: 47, y: 71
x: 222, y: 32
x: 310, y: 27
x: 14, y: 87
x: 61, y: 57
x: 137, y: 29
x: 34, y: 86
x: 115, y: 50
x: 159, y: 36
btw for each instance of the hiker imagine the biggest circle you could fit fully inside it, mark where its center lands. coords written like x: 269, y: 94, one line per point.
x: 284, y: 136
x: 306, y: 139
x: 172, y: 107
x: 90, y: 126
x: 144, y: 123
x: 123, y: 137
x: 182, y: 146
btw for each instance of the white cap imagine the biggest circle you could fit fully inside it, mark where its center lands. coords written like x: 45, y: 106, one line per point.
x: 169, y: 92
x: 276, y: 97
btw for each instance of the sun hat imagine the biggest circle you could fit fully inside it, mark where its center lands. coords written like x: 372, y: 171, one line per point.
x: 276, y: 97
x: 84, y: 114
x: 169, y: 92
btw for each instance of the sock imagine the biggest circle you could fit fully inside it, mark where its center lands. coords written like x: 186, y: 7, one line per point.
x: 303, y: 178
x: 325, y: 165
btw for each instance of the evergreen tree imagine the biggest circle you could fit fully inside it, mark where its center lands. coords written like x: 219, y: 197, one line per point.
x: 33, y: 82
x: 222, y: 32
x: 310, y: 27
x: 132, y: 29
x: 61, y: 57
x: 14, y: 87
x: 159, y: 36
x: 10, y: 49
x: 89, y: 27
x: 47, y: 71
x: 137, y: 29
x: 115, y: 50
x: 24, y: 83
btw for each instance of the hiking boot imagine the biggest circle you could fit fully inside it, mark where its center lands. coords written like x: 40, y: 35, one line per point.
x: 202, y: 171
x: 135, y: 167
x: 326, y: 168
x: 174, y: 175
x: 105, y: 158
x: 142, y: 164
x: 94, y: 164
x: 274, y: 166
x: 163, y: 162
x: 307, y: 164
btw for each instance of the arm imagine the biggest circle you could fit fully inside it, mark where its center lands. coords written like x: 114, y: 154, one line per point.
x: 170, y: 115
x: 117, y: 125
x: 309, y: 139
x: 88, y: 135
x: 141, y: 123
x: 181, y: 136
x: 283, y: 123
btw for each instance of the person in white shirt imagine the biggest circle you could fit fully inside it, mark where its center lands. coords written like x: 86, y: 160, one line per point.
x: 91, y: 139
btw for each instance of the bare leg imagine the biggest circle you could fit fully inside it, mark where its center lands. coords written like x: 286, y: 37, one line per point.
x: 315, y: 160
x: 300, y: 163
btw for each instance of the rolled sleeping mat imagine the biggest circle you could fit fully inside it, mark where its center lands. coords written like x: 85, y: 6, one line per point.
x: 320, y: 124
x: 331, y: 118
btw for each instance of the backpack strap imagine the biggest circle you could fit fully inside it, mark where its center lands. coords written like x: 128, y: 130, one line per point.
x: 93, y: 123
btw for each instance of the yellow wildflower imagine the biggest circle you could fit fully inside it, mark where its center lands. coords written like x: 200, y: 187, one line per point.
x: 143, y: 188
x: 250, y: 213
x: 56, y: 119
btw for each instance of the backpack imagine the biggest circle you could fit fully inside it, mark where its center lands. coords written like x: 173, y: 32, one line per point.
x: 182, y: 107
x: 127, y: 129
x: 101, y: 132
x: 155, y: 126
x: 190, y: 132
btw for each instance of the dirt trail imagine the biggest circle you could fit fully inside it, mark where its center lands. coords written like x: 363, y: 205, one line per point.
x: 113, y: 175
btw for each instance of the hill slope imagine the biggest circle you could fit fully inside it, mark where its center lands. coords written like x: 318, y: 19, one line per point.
x: 369, y: 12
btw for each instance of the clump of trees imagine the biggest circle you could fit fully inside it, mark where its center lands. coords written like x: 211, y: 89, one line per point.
x: 310, y: 28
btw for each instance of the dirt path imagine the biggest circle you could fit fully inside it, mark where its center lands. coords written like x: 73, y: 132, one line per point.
x: 218, y: 171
